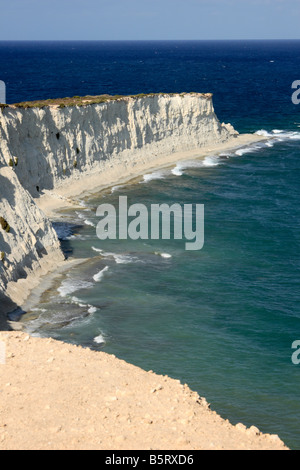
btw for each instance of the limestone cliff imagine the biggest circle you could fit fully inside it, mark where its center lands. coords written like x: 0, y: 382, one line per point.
x: 52, y: 143
x: 41, y: 148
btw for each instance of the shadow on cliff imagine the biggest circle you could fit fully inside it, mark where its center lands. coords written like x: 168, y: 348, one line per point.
x: 64, y: 230
x: 6, y: 305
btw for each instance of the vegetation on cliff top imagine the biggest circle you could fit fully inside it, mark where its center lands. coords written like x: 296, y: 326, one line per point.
x: 87, y: 100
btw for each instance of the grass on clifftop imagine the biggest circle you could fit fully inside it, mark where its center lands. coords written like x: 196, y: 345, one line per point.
x: 86, y: 100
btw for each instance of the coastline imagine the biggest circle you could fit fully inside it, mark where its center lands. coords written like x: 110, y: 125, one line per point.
x: 69, y: 193
x: 123, y: 407
x: 142, y: 410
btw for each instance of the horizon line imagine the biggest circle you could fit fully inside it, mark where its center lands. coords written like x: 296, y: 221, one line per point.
x: 146, y: 40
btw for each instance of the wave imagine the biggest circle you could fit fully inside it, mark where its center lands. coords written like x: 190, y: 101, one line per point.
x: 275, y: 136
x: 208, y: 161
x: 83, y: 203
x: 163, y: 255
x: 250, y: 149
x: 100, y: 339
x: 177, y: 170
x: 211, y: 161
x: 99, y: 276
x: 80, y: 215
x: 78, y: 302
x: 119, y: 258
x: 69, y: 286
x: 88, y: 222
x: 91, y: 308
x: 98, y: 250
x: 156, y: 175
x: 279, y: 135
x: 117, y: 188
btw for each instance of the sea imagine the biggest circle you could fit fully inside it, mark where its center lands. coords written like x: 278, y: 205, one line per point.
x: 224, y: 319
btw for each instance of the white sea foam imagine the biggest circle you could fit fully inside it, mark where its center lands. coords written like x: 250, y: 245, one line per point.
x: 116, y: 188
x: 177, y: 170
x: 88, y: 222
x: 119, y: 258
x: 69, y: 286
x: 80, y: 215
x: 156, y: 175
x: 124, y: 259
x: 78, y: 302
x: 163, y: 255
x: 83, y: 204
x: 99, y: 339
x: 211, y: 161
x: 279, y: 135
x: 92, y: 309
x: 98, y: 250
x: 99, y: 276
x: 242, y: 151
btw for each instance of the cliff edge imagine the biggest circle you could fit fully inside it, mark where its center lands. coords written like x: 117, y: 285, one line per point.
x: 70, y: 398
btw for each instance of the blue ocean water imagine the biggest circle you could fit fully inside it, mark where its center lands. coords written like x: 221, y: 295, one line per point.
x: 223, y: 319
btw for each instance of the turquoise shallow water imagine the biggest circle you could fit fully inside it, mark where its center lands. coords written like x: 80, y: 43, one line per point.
x: 221, y: 319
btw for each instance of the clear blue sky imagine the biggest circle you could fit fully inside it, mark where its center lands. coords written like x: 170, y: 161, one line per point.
x: 149, y: 19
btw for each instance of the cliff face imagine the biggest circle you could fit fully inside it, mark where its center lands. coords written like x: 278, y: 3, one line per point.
x: 30, y: 242
x: 41, y: 148
x: 52, y: 143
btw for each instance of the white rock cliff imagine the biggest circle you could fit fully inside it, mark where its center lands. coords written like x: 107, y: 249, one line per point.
x: 41, y: 149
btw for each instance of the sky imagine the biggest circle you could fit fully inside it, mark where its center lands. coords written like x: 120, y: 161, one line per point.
x: 149, y: 19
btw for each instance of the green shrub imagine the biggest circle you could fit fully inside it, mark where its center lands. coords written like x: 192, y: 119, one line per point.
x: 2, y: 256
x: 5, y: 226
x: 11, y: 163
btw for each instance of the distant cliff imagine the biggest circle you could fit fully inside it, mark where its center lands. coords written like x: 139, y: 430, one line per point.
x: 41, y: 147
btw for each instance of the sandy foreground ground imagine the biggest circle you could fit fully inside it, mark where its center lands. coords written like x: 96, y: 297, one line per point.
x: 59, y: 396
